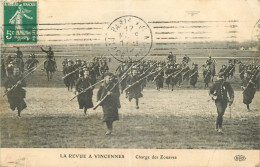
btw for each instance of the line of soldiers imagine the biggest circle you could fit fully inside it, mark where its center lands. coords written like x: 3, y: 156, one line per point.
x: 97, y: 69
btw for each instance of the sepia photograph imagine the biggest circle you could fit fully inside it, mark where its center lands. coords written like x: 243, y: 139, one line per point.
x: 130, y: 83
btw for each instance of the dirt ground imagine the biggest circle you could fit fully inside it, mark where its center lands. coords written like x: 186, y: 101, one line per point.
x: 179, y: 119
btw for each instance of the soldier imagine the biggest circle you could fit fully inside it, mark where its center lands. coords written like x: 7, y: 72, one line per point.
x: 209, y: 61
x: 19, y: 53
x: 168, y: 76
x: 84, y: 99
x: 204, y: 70
x: 135, y: 90
x: 241, y: 70
x: 248, y: 86
x: 10, y: 69
x: 185, y: 59
x: 186, y: 70
x: 70, y: 79
x: 19, y: 63
x: 230, y: 70
x: 31, y: 62
x: 178, y: 76
x: 17, y: 94
x: 207, y: 78
x: 50, y: 54
x: 111, y: 103
x: 159, y: 78
x: 219, y: 92
x: 194, y: 75
x: 77, y: 67
x: 3, y: 69
x: 224, y: 71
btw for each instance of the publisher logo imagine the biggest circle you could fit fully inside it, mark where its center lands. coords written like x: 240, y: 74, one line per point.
x: 240, y: 158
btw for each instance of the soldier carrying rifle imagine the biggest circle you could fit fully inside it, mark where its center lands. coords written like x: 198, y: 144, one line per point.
x: 14, y: 91
x: 108, y: 97
x: 248, y: 86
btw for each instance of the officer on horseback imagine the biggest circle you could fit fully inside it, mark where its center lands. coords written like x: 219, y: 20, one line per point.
x: 50, y: 54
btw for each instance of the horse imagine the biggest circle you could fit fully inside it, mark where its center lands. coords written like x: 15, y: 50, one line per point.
x: 50, y: 67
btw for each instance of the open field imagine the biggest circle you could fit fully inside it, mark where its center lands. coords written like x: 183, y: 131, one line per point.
x: 179, y: 119
x: 185, y: 121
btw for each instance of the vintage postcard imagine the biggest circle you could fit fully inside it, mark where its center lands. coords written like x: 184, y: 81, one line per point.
x: 130, y: 83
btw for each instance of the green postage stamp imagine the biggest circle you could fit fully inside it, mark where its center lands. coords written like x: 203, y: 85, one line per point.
x: 20, y: 22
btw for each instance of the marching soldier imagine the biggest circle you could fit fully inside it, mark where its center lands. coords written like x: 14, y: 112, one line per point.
x: 194, y: 75
x: 219, y: 92
x: 135, y: 90
x: 15, y: 92
x: 85, y: 98
x: 248, y: 86
x: 111, y: 103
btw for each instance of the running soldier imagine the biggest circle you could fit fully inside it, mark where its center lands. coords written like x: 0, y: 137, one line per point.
x: 168, y: 76
x: 248, y: 86
x: 70, y: 77
x: 111, y: 103
x: 159, y: 78
x: 31, y: 62
x: 134, y: 92
x: 194, y: 75
x: 218, y: 92
x: 15, y: 92
x: 207, y: 78
x: 224, y: 71
x: 84, y: 97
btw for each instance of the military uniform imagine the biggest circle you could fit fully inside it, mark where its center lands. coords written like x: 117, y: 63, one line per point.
x: 16, y: 95
x: 135, y: 90
x: 70, y: 79
x: 194, y: 74
x: 110, y: 104
x: 219, y: 90
x: 84, y: 99
x: 248, y: 85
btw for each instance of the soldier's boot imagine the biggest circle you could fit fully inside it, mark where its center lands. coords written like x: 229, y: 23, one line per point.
x: 19, y: 113
x: 248, y: 108
x: 85, y: 111
x: 137, y: 103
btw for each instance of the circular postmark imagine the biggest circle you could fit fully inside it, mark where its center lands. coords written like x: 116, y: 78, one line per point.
x: 256, y: 32
x: 128, y: 36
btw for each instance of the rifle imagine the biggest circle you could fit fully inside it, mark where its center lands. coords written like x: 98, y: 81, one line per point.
x: 197, y: 71
x: 140, y: 80
x: 71, y: 73
x: 159, y: 73
x: 251, y: 80
x: 85, y: 90
x: 14, y: 86
x: 120, y: 79
x: 148, y: 69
